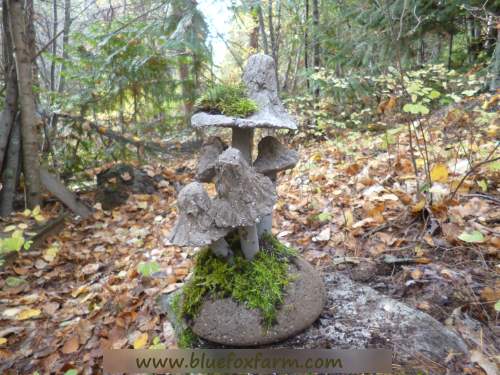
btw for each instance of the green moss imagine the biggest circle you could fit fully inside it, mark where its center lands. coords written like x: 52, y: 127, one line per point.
x: 230, y: 100
x: 259, y: 283
x: 187, y: 339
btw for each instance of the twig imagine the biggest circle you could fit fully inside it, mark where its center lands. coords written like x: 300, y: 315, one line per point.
x: 475, y: 167
x: 484, y: 196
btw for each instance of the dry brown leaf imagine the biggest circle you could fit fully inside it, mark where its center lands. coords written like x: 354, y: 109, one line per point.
x: 71, y: 345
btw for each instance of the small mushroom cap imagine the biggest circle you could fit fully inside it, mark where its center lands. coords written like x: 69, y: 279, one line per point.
x: 244, y: 196
x: 210, y: 152
x: 274, y: 156
x: 260, y: 79
x: 195, y: 226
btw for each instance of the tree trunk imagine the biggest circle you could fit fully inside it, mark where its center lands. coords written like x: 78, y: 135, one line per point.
x: 316, y: 50
x: 11, y: 170
x: 306, y: 42
x: 187, y: 91
x: 450, y: 50
x: 272, y: 37
x: 8, y: 114
x: 254, y: 34
x: 495, y: 81
x: 23, y: 58
x: 54, y: 47
x: 262, y: 28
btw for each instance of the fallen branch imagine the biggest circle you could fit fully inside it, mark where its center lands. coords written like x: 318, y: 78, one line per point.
x: 158, y: 147
x: 57, y: 188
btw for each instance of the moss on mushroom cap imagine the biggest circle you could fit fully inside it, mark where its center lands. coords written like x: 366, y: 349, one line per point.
x: 226, y: 99
x: 259, y: 283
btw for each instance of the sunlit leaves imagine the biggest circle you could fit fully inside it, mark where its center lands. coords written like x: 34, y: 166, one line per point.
x: 416, y: 109
x: 148, y: 268
x: 472, y: 237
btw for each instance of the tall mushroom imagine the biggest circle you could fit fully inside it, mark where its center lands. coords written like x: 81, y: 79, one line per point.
x: 195, y: 225
x: 272, y: 158
x: 260, y: 80
x: 210, y: 152
x: 244, y: 197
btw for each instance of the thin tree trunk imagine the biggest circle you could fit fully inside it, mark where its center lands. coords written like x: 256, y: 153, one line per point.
x: 23, y: 57
x: 316, y: 51
x: 254, y: 34
x: 62, y: 79
x: 450, y: 50
x: 262, y: 28
x: 495, y: 81
x: 187, y: 91
x: 54, y: 47
x: 11, y: 170
x: 67, y: 25
x: 8, y: 114
x: 306, y: 42
x: 272, y: 37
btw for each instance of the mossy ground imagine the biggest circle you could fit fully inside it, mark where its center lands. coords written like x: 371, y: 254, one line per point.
x: 259, y: 283
x: 227, y: 99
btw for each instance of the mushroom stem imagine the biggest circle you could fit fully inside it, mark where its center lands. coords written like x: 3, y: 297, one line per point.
x: 221, y: 249
x: 249, y: 241
x: 242, y: 139
x: 266, y: 223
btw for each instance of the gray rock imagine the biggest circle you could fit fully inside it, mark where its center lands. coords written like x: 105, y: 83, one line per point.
x: 243, y: 195
x: 210, y: 152
x: 195, y: 225
x: 357, y: 316
x: 274, y: 157
x: 260, y: 79
x: 227, y: 322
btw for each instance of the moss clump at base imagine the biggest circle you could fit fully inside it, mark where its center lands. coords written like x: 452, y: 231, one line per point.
x: 258, y: 284
x: 229, y: 100
x: 185, y: 337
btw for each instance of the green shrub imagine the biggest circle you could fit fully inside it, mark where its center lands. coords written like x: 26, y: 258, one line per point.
x: 226, y: 99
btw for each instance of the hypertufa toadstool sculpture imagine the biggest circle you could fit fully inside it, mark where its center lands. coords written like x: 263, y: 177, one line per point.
x: 260, y: 80
x: 210, y: 151
x: 195, y: 225
x: 272, y: 158
x: 243, y: 198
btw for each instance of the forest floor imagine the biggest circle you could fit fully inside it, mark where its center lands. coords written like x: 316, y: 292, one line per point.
x: 351, y: 202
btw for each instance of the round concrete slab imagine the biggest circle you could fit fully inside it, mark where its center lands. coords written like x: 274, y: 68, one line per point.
x: 227, y: 322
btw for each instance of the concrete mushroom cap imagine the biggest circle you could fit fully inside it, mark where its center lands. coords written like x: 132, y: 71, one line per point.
x: 195, y: 226
x: 210, y: 151
x: 260, y: 80
x: 274, y: 156
x: 243, y: 195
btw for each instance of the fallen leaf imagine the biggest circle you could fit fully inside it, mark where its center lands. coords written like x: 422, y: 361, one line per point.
x: 489, y: 367
x: 324, y: 235
x: 141, y: 341
x: 3, y: 340
x: 28, y: 314
x: 71, y: 345
x: 439, y: 173
x: 472, y: 237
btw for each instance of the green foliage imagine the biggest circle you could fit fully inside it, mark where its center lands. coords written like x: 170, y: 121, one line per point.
x: 354, y: 101
x: 258, y: 283
x: 148, y: 268
x: 15, y: 242
x: 228, y: 99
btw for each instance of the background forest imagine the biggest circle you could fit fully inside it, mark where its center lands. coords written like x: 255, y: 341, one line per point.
x: 136, y: 68
x: 397, y: 103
